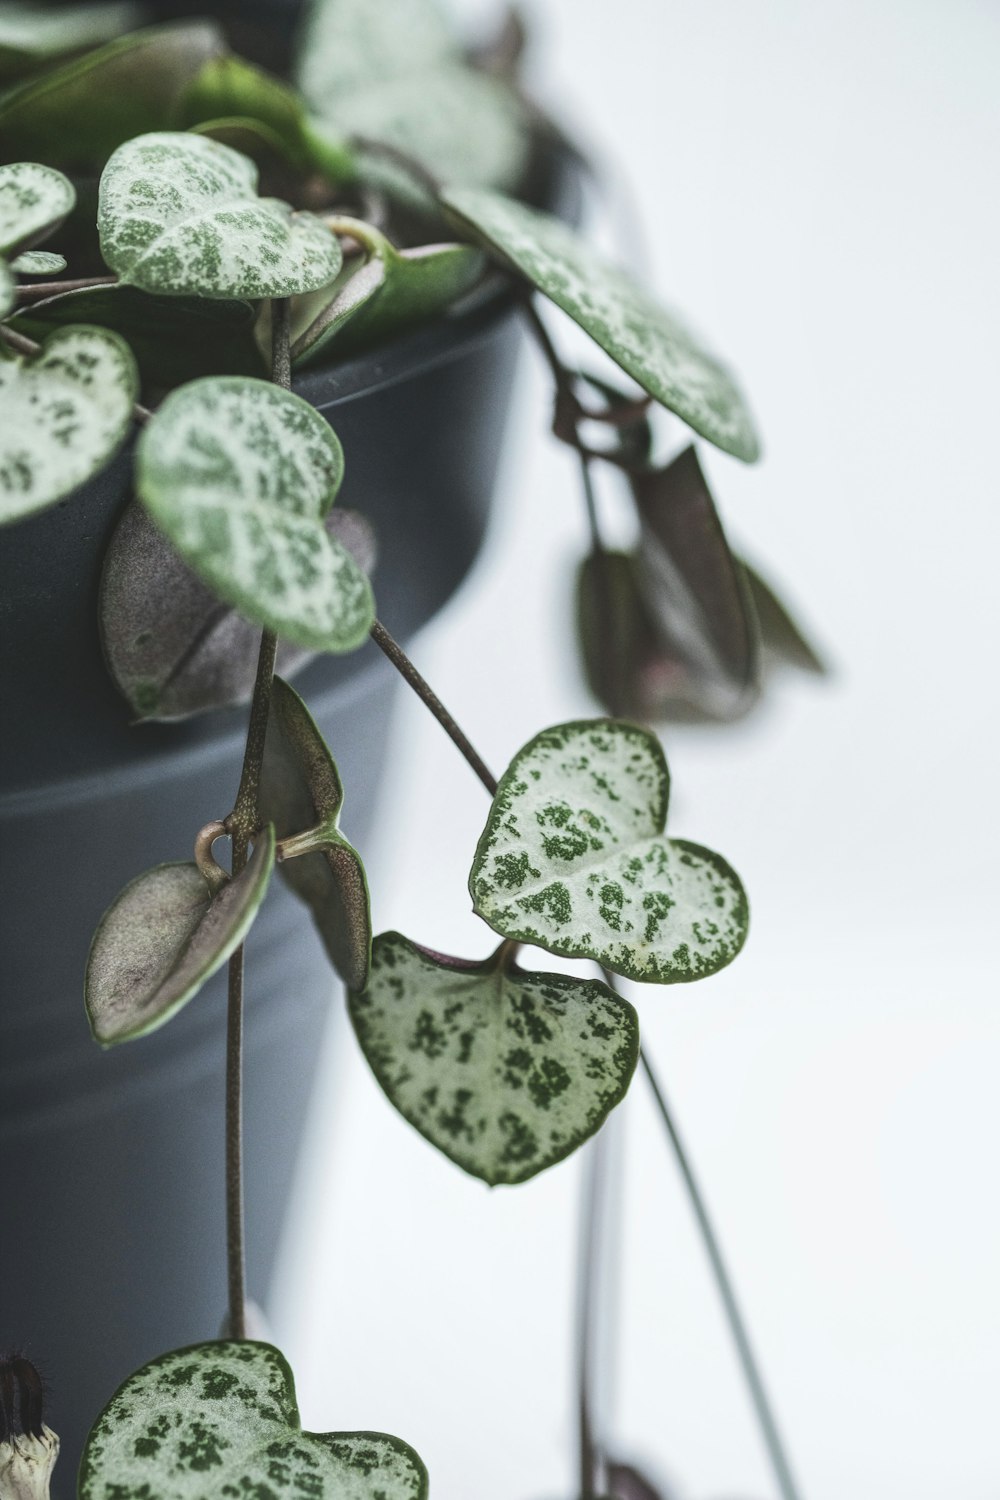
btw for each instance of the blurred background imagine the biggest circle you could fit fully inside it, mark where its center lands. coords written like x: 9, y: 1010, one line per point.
x: 813, y: 186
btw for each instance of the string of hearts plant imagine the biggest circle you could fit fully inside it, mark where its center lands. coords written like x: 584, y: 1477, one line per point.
x: 505, y: 1070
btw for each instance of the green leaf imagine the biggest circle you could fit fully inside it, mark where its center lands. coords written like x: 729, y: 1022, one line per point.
x: 240, y: 475
x: 694, y: 589
x: 163, y: 937
x: 647, y: 341
x: 235, y: 92
x: 31, y: 34
x: 783, y: 639
x: 34, y: 200
x: 221, y: 1419
x: 39, y: 263
x: 171, y: 647
x: 301, y: 792
x: 180, y: 214
x: 74, y: 116
x: 6, y: 303
x: 174, y: 339
x: 505, y: 1072
x: 393, y: 290
x: 573, y: 859
x: 63, y: 415
x: 349, y: 44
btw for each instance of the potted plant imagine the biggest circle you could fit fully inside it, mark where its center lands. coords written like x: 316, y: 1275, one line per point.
x: 231, y: 356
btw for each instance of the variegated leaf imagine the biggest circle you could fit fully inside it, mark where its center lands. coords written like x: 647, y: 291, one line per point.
x: 574, y: 859
x: 172, y: 647
x: 504, y: 1071
x: 391, y: 291
x: 74, y: 115
x: 163, y: 937
x: 240, y: 475
x: 221, y: 1419
x: 7, y: 289
x: 179, y: 214
x: 34, y: 200
x: 63, y: 414
x: 301, y: 794
x: 39, y: 263
x: 32, y: 33
x: 348, y: 44
x: 640, y: 335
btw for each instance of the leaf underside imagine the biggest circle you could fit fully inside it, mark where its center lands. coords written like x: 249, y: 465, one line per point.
x: 505, y: 1072
x: 63, y: 415
x: 221, y: 1419
x: 573, y: 859
x: 38, y: 263
x: 782, y: 637
x: 34, y: 200
x: 162, y: 938
x: 240, y: 474
x: 640, y: 335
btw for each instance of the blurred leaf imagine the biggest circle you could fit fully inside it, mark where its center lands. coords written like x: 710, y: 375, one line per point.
x: 34, y: 201
x: 163, y: 937
x: 32, y: 34
x: 173, y: 338
x: 240, y: 475
x: 348, y: 44
x: 505, y: 1072
x: 625, y: 1482
x: 74, y: 116
x: 502, y: 53
x: 301, y: 791
x: 573, y: 859
x: 640, y: 335
x: 179, y: 214
x: 221, y: 1419
x: 392, y: 290
x: 63, y: 414
x: 230, y: 90
x: 782, y: 638
x: 172, y: 648
x: 39, y: 263
x: 6, y: 303
x: 693, y: 588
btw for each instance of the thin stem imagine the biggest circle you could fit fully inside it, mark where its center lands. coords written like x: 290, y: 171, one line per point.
x: 741, y: 1338
x: 590, y: 501
x: 404, y: 666
x: 593, y: 1209
x: 242, y: 823
x: 35, y: 290
x: 24, y: 345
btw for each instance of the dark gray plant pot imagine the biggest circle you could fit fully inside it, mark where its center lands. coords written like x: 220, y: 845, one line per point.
x: 111, y: 1164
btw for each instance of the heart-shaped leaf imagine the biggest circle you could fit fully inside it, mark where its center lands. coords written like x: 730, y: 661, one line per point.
x: 301, y: 794
x: 172, y: 648
x: 34, y: 200
x: 782, y: 638
x: 573, y: 859
x: 63, y: 414
x: 163, y: 937
x: 639, y: 334
x: 32, y: 33
x: 221, y: 1419
x: 173, y: 338
x: 392, y: 291
x: 74, y: 115
x: 230, y: 89
x: 505, y: 1072
x: 694, y: 588
x: 349, y: 44
x: 179, y: 213
x: 39, y: 263
x: 240, y: 475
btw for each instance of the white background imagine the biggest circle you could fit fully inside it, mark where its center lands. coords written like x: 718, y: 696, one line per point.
x: 818, y: 186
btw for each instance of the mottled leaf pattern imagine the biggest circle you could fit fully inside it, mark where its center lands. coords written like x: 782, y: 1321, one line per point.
x: 171, y: 646
x: 301, y: 793
x: 221, y: 1419
x: 163, y: 937
x: 34, y: 200
x: 38, y: 263
x: 639, y: 334
x: 63, y: 414
x: 573, y: 859
x: 179, y: 213
x: 240, y: 475
x: 504, y: 1071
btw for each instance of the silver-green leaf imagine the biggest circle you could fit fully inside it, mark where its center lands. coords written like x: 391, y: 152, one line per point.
x: 301, y: 794
x: 179, y: 214
x: 34, y: 200
x: 649, y: 343
x: 63, y: 414
x: 573, y: 858
x: 348, y: 44
x: 163, y: 937
x: 38, y: 263
x: 240, y: 475
x: 221, y: 1419
x: 503, y: 1071
x: 7, y: 289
